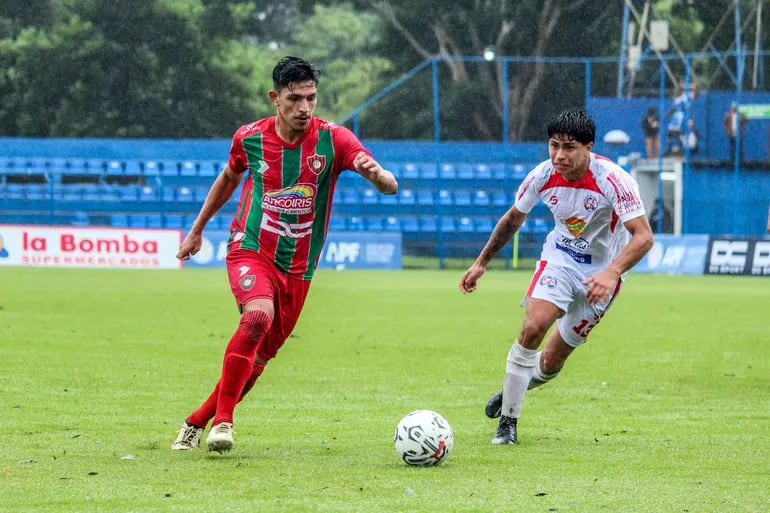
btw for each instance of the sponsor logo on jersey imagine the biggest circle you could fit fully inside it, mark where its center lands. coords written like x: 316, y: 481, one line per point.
x: 316, y: 163
x: 575, y: 226
x: 579, y: 244
x: 590, y: 203
x: 284, y: 229
x: 553, y: 200
x: 261, y: 168
x: 297, y: 199
x: 548, y: 282
x: 581, y: 258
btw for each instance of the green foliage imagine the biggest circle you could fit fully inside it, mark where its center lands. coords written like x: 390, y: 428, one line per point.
x: 664, y: 409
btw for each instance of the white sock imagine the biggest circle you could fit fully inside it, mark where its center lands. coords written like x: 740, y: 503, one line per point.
x: 538, y: 376
x: 518, y: 374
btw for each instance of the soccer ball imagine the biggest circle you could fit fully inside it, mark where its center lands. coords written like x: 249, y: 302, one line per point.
x: 424, y: 438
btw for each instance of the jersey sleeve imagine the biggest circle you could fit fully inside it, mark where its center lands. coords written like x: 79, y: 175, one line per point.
x: 346, y: 147
x: 527, y: 195
x: 238, y: 160
x: 624, y: 195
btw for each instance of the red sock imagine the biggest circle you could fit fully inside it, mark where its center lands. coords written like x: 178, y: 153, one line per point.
x: 202, y: 416
x: 239, y: 361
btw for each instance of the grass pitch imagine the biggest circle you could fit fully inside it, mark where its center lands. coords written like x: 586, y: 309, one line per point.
x: 666, y: 409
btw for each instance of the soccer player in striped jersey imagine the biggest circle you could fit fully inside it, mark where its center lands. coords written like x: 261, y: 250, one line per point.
x: 601, y: 231
x: 292, y: 162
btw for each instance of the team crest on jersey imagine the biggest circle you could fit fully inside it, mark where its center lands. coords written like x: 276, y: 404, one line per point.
x: 575, y: 226
x: 247, y: 282
x: 590, y: 203
x: 548, y: 282
x: 316, y: 163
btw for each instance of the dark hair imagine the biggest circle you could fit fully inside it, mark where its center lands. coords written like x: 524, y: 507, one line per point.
x: 293, y: 70
x: 575, y: 123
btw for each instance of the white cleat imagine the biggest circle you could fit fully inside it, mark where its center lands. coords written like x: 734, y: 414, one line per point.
x: 220, y: 438
x: 189, y: 438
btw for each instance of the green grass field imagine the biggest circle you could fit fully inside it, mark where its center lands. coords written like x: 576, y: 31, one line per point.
x: 666, y: 409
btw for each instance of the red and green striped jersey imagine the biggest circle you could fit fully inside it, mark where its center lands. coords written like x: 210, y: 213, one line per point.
x: 286, y: 202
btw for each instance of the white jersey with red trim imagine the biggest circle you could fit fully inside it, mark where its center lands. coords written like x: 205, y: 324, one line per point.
x: 589, y: 214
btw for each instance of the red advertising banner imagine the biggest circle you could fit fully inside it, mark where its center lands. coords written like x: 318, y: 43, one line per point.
x: 114, y: 248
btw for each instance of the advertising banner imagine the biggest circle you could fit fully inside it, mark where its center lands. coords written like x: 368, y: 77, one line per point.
x: 343, y: 250
x: 62, y: 246
x: 729, y: 255
x: 672, y: 254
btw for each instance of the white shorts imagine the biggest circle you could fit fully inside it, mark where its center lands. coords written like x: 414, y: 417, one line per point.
x: 565, y: 289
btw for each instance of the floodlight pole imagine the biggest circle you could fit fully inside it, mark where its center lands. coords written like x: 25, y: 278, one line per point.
x: 739, y: 65
x: 623, y: 50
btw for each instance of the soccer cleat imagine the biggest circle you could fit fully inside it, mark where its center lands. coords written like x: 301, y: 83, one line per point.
x: 506, y: 432
x: 189, y: 438
x: 494, y: 406
x: 220, y: 438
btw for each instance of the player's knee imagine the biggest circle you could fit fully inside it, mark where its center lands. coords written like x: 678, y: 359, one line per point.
x: 532, y: 333
x: 256, y: 323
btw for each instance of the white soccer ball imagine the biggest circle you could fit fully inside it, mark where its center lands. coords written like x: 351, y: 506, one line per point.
x: 424, y: 438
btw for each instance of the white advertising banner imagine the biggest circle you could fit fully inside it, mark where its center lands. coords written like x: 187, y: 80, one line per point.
x: 114, y: 248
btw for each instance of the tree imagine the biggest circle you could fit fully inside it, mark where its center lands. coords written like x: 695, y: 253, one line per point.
x: 472, y: 106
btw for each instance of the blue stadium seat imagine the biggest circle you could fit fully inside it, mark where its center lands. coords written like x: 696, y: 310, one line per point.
x: 147, y: 193
x: 174, y: 221
x: 94, y: 167
x: 151, y: 168
x: 482, y: 172
x: 444, y: 197
x: 481, y: 198
x: 373, y: 224
x: 409, y: 224
x: 462, y: 197
x: 188, y: 168
x: 91, y: 192
x: 154, y: 221
x: 393, y: 167
x: 464, y: 224
x: 391, y: 224
x: 355, y: 223
x: 200, y: 193
x: 168, y: 194
x: 428, y: 224
x: 369, y: 197
x: 348, y: 196
x: 168, y: 167
x: 387, y: 199
x: 15, y: 191
x: 129, y: 193
x: 109, y: 193
x: 483, y: 224
x: 119, y: 220
x: 37, y: 191
x: 114, y: 168
x: 410, y: 172
x: 447, y: 171
x: 425, y: 197
x: 137, y: 220
x: 448, y: 224
x: 210, y: 168
x: 406, y: 197
x: 338, y: 223
x: 133, y: 168
x: 428, y: 170
x: 184, y: 194
x: 519, y: 171
x: 540, y: 225
x: 500, y: 199
x: 465, y: 172
x: 80, y: 218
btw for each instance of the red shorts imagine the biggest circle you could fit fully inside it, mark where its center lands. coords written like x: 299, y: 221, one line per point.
x: 254, y: 277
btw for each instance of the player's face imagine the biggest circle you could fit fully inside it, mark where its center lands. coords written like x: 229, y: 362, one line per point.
x: 295, y: 105
x: 570, y: 158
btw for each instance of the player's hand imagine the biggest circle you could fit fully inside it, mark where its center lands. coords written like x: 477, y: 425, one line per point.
x: 599, y: 287
x: 469, y: 281
x: 367, y: 166
x: 190, y: 246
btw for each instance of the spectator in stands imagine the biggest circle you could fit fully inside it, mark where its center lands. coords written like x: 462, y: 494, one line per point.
x: 292, y: 162
x: 601, y: 232
x: 734, y: 121
x: 651, y: 128
x: 676, y: 116
x: 693, y: 138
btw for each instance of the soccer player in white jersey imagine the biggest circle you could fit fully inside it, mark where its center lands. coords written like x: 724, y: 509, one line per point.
x: 601, y: 232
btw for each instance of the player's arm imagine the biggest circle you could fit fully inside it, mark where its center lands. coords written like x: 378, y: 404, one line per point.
x: 602, y: 285
x: 220, y: 193
x: 504, y: 231
x: 370, y: 169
